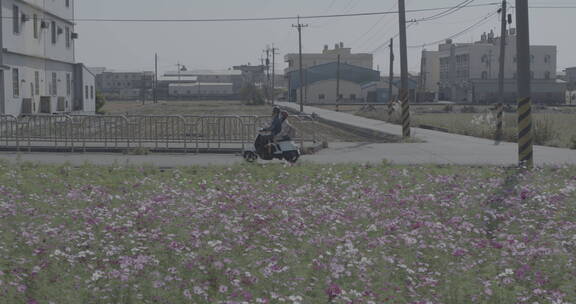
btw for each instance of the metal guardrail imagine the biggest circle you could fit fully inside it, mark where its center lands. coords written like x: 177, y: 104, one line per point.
x: 170, y: 132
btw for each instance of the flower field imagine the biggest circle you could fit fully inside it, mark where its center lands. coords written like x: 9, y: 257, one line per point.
x: 275, y: 234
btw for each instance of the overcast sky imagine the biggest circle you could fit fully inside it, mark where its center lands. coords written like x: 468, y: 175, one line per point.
x: 131, y: 46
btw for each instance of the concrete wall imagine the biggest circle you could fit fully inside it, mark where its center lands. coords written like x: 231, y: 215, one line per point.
x: 199, y: 89
x: 328, y: 89
x: 25, y: 43
x: 27, y: 68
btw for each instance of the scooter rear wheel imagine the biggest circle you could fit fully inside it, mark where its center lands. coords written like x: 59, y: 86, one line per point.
x: 250, y: 156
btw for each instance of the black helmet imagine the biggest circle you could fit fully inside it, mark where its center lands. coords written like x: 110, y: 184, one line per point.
x: 276, y: 110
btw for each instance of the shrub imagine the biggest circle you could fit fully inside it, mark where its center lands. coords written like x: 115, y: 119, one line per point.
x: 544, y: 131
x: 448, y: 108
x: 100, y: 102
x: 251, y: 95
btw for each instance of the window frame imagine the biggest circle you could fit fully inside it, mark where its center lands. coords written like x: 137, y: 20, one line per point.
x: 15, y: 83
x: 54, y: 84
x: 36, y: 30
x: 53, y: 32
x: 68, y: 40
x: 16, y: 28
x: 68, y: 84
x: 37, y: 83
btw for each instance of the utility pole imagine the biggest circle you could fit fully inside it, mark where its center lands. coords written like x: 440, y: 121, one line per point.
x: 500, y: 105
x: 338, y: 85
x: 156, y: 78
x: 267, y: 72
x: 525, y: 135
x: 274, y: 73
x: 2, y: 93
x: 391, y: 79
x: 179, y: 69
x: 404, y: 92
x: 300, y: 26
x: 143, y: 88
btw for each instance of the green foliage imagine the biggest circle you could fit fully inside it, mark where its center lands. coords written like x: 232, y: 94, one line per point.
x: 100, y: 102
x: 251, y: 95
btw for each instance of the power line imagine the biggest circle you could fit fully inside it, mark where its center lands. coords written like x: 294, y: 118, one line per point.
x: 448, y: 12
x: 273, y: 18
x: 473, y: 26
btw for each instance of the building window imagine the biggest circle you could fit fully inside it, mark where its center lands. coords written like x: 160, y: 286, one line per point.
x: 15, y: 83
x: 35, y: 26
x: 547, y: 59
x: 547, y: 75
x: 67, y: 3
x: 532, y: 58
x: 91, y: 92
x: 531, y: 74
x: 53, y: 28
x: 321, y: 96
x: 54, y: 84
x: 16, y: 19
x: 68, y: 85
x: 484, y: 75
x: 352, y: 96
x: 67, y: 37
x: 37, y: 83
x: 86, y: 93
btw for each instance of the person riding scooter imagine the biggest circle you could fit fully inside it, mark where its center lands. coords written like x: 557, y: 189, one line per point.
x: 276, y: 123
x: 287, y: 131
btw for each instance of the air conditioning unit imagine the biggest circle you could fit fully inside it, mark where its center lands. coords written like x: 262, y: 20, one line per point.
x: 74, y: 35
x: 60, y: 31
x: 44, y: 24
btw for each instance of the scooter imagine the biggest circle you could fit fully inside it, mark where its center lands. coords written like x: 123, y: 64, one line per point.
x: 266, y: 150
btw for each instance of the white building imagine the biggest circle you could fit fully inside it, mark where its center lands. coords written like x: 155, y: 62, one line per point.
x: 468, y: 72
x: 38, y: 71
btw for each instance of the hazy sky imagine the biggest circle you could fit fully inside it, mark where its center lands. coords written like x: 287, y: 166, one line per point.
x: 131, y: 46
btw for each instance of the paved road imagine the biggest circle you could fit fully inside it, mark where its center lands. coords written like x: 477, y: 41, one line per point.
x: 438, y: 148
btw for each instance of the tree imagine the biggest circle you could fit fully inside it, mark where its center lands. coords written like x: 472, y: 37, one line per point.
x: 252, y: 95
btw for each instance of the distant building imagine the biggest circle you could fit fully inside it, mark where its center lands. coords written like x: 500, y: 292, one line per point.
x: 468, y: 72
x: 378, y: 91
x: 124, y: 85
x: 38, y: 72
x: 571, y: 78
x: 234, y: 77
x: 320, y: 75
x: 195, y: 90
x: 327, y: 56
x: 320, y: 82
x: 571, y: 86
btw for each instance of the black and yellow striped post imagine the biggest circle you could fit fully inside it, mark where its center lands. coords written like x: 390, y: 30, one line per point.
x: 525, y: 134
x: 405, y: 114
x: 405, y: 102
x: 499, y: 121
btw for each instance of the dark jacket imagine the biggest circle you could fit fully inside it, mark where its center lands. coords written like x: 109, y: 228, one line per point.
x: 275, y: 126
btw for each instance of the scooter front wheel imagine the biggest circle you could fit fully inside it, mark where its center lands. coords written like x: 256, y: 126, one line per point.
x: 291, y: 156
